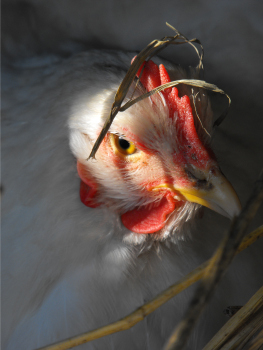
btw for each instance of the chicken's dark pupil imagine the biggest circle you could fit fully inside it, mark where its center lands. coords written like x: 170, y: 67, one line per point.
x: 124, y: 144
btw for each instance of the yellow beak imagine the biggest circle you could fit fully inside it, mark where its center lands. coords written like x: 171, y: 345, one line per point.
x: 217, y: 194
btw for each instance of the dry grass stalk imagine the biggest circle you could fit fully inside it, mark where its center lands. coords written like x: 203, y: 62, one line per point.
x: 147, y: 53
x: 139, y: 314
x: 192, y: 82
x: 246, y: 322
x: 216, y: 268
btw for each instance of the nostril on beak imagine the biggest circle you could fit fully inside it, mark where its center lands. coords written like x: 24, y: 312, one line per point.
x: 195, y: 174
x: 198, y: 177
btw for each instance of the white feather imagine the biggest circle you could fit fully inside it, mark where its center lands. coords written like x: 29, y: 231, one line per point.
x: 68, y: 268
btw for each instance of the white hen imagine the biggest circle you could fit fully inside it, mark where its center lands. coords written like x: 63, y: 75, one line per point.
x: 67, y: 267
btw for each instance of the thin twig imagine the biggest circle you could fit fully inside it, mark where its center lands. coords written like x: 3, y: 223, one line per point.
x: 250, y: 238
x: 191, y: 82
x: 216, y: 268
x: 138, y: 315
x: 201, y: 56
x: 196, y: 113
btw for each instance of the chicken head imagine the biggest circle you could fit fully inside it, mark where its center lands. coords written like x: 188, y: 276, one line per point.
x: 154, y: 165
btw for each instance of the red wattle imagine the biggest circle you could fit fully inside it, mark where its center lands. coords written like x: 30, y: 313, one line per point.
x: 88, y: 187
x: 149, y: 219
x: 87, y: 194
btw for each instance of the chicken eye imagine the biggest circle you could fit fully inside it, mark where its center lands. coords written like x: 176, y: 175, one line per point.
x: 124, y: 146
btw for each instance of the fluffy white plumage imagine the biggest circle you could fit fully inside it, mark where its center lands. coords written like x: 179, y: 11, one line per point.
x: 68, y: 268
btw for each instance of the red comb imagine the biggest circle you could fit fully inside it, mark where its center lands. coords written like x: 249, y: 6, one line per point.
x: 154, y: 76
